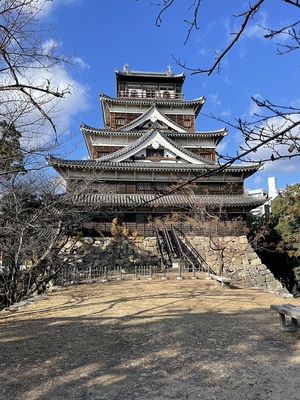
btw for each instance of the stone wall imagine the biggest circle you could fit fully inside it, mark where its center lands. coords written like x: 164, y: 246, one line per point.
x: 241, y: 263
x: 125, y: 252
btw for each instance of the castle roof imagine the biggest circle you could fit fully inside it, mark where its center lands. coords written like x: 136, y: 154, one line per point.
x: 204, y: 167
x: 174, y: 200
x: 168, y: 75
x: 198, y: 103
x: 154, y: 118
x: 137, y: 102
x: 90, y: 130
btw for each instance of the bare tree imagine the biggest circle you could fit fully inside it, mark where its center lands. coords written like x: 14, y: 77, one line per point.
x: 282, y: 138
x: 37, y: 218
x: 28, y: 60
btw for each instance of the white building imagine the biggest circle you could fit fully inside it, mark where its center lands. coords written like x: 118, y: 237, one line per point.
x: 270, y: 195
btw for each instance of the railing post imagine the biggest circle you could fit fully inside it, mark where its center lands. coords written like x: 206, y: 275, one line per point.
x: 208, y: 272
x: 164, y: 277
x: 179, y: 277
x: 194, y: 272
x: 136, y: 278
x: 150, y: 272
x: 120, y: 277
x: 105, y: 279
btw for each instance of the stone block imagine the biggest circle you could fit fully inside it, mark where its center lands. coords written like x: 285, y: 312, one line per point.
x: 88, y: 240
x: 284, y: 293
x: 252, y: 256
x: 93, y: 256
x: 246, y: 279
x: 261, y: 267
x: 260, y: 281
x: 255, y: 261
x: 269, y: 277
x: 274, y: 285
x: 243, y: 240
x: 266, y: 271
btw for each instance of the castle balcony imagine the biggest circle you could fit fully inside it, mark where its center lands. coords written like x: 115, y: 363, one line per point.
x: 151, y: 94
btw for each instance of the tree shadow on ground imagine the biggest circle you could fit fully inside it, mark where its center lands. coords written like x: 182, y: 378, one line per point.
x: 177, y: 340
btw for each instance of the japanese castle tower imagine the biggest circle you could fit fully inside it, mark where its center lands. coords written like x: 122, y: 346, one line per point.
x: 150, y: 160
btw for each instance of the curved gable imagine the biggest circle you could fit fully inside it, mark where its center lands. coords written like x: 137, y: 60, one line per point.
x: 152, y: 117
x: 165, y: 147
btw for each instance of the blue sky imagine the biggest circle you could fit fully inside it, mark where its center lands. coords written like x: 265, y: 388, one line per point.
x: 102, y: 35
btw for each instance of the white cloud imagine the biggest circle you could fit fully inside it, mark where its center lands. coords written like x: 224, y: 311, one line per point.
x: 81, y: 63
x: 223, y: 146
x: 287, y: 165
x: 202, y: 48
x: 226, y: 112
x: 258, y: 181
x: 254, y: 109
x: 295, y: 103
x: 49, y: 5
x: 238, y: 137
x: 242, y: 51
x: 61, y: 78
x: 286, y: 170
x: 214, y: 99
x: 73, y: 103
x: 37, y: 131
x: 227, y: 80
x: 255, y: 30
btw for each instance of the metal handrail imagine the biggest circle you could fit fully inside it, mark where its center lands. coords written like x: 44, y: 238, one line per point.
x: 196, y: 254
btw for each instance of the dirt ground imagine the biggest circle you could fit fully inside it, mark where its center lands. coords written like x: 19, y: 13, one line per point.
x: 138, y: 340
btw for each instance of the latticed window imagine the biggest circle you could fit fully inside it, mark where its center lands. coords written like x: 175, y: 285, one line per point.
x: 143, y: 187
x: 154, y: 152
x: 120, y: 121
x: 141, y: 218
x: 187, y: 123
x: 206, y: 155
x: 103, y: 153
x: 150, y: 92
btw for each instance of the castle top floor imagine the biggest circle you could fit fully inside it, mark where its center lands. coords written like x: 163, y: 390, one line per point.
x: 149, y: 85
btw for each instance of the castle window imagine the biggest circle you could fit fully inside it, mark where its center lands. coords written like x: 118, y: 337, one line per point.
x: 187, y: 123
x: 141, y: 218
x: 150, y: 92
x: 102, y: 153
x: 120, y: 121
x: 154, y: 152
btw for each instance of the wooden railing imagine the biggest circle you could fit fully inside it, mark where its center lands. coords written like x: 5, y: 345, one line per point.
x: 151, y: 95
x: 147, y: 230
